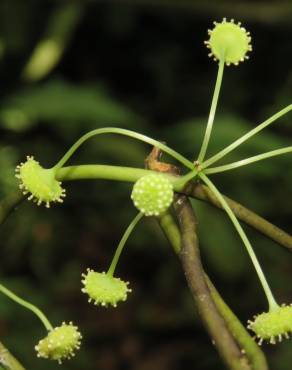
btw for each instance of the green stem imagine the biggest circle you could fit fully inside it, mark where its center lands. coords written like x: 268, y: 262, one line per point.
x: 214, y: 323
x: 181, y: 181
x: 171, y: 230
x: 212, y: 111
x: 116, y: 173
x: 271, y: 300
x: 27, y: 305
x: 122, y: 243
x: 100, y: 171
x: 7, y: 360
x: 245, y: 137
x: 121, y: 131
x: 244, y: 162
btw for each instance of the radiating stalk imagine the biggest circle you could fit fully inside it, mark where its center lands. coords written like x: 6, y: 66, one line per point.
x: 271, y: 300
x: 212, y: 111
x: 246, y: 161
x: 27, y: 305
x: 245, y: 137
x: 122, y: 243
x: 121, y: 131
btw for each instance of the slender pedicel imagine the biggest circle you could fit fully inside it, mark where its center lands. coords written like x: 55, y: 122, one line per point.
x: 180, y: 182
x: 245, y: 137
x: 244, y: 162
x: 122, y: 243
x: 27, y: 305
x: 121, y: 131
x: 212, y: 111
x: 271, y: 300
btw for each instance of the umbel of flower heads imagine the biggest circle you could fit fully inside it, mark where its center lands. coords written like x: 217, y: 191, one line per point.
x: 152, y: 195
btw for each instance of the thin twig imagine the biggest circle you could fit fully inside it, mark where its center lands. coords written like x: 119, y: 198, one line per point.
x: 225, y: 343
x: 202, y: 192
x: 253, y: 352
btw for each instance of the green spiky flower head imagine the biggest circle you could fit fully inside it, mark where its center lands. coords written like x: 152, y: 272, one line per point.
x: 230, y: 41
x: 152, y: 194
x: 39, y: 183
x: 104, y: 289
x: 60, y: 343
x: 273, y: 325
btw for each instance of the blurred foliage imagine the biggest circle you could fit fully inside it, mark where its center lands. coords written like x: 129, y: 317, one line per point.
x: 140, y: 66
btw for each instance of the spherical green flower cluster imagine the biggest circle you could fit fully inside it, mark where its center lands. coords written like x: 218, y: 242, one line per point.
x: 273, y: 325
x: 104, y: 289
x: 229, y: 41
x: 152, y: 194
x: 39, y: 182
x: 60, y: 343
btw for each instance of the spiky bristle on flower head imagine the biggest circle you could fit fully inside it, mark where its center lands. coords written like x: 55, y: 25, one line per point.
x: 229, y: 41
x: 152, y: 194
x: 273, y: 325
x: 60, y: 343
x: 40, y: 183
x: 104, y: 289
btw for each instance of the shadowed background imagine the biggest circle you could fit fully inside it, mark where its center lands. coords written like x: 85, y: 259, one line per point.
x: 69, y: 67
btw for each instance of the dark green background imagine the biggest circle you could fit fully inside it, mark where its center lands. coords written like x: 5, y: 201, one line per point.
x: 139, y: 65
